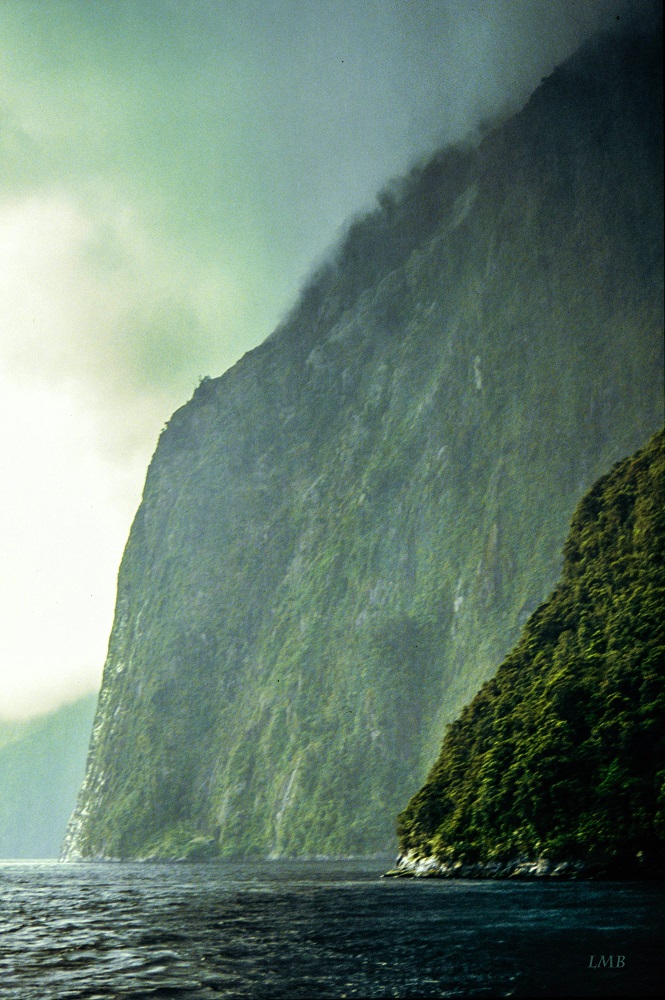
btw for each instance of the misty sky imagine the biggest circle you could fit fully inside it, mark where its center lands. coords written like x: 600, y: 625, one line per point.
x: 170, y: 171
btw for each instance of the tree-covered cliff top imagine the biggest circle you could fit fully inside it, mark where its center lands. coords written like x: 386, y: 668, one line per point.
x: 562, y: 754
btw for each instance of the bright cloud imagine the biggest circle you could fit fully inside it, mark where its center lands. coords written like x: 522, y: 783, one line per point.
x: 92, y: 302
x: 61, y: 538
x: 98, y: 343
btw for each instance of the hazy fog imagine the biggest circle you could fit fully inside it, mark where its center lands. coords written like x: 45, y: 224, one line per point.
x: 170, y: 170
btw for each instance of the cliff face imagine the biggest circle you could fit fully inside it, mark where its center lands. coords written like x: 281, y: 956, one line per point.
x: 341, y: 537
x: 560, y: 758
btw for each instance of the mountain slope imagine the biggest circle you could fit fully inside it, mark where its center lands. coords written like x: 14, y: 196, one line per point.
x: 42, y: 765
x: 561, y: 756
x: 342, y: 536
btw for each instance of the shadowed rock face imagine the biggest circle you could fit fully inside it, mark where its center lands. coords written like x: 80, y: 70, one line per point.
x: 341, y: 537
x: 557, y: 766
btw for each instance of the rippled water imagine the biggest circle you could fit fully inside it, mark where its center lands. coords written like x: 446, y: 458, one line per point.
x: 315, y: 929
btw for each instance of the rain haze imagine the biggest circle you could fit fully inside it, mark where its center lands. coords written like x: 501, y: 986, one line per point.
x: 170, y: 172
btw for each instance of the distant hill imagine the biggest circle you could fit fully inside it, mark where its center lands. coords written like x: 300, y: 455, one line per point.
x: 341, y: 538
x: 42, y: 765
x: 560, y: 758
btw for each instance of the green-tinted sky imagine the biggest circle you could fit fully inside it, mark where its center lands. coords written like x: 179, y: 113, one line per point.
x: 170, y: 170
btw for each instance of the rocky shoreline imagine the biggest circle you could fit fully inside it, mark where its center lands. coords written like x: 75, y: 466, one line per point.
x: 411, y: 866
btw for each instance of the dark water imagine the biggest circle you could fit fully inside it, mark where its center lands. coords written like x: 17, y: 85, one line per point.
x: 316, y: 929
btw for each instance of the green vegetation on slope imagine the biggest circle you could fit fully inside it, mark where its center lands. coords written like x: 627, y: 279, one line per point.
x: 342, y: 536
x: 42, y: 764
x: 562, y: 754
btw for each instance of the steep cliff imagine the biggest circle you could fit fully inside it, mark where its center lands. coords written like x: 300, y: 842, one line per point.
x: 560, y: 758
x: 341, y: 537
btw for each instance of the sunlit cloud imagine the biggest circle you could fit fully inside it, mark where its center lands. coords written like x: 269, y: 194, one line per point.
x: 93, y: 304
x: 63, y: 530
x: 102, y: 333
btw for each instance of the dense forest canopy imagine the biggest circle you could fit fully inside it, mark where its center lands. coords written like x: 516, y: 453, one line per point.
x: 562, y: 754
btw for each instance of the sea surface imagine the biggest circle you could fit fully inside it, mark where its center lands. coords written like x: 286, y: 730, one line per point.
x: 318, y: 929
